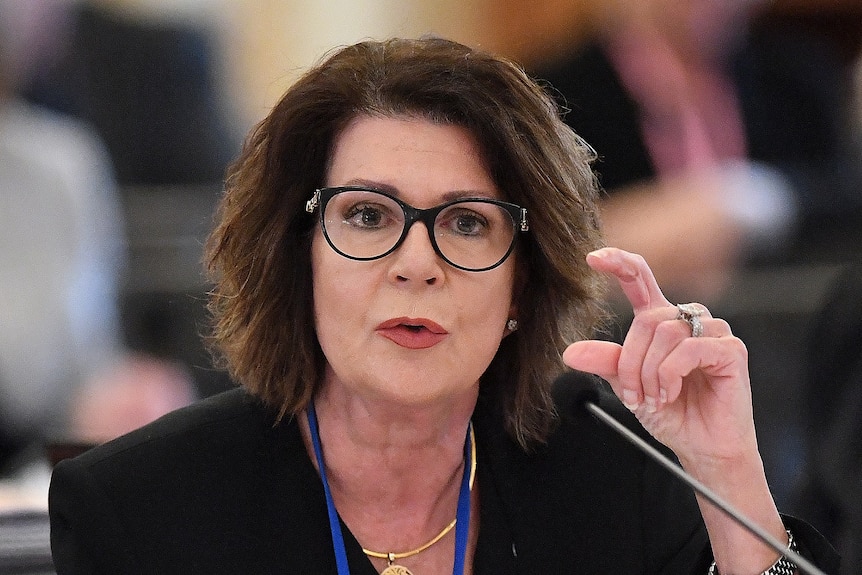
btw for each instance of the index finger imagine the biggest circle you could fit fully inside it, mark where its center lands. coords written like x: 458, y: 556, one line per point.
x: 633, y: 274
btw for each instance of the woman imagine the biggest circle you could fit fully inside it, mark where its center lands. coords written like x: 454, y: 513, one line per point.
x: 396, y: 412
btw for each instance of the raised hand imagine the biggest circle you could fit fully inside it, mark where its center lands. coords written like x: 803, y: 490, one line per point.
x: 693, y: 394
x: 690, y: 393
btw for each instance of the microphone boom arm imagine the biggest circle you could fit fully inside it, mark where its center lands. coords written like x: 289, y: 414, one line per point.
x: 803, y: 564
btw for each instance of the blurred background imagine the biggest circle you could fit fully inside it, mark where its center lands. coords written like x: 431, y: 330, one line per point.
x: 738, y: 175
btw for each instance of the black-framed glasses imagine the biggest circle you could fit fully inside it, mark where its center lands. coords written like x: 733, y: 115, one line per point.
x: 472, y: 234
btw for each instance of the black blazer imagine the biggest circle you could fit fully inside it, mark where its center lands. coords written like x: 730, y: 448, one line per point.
x: 218, y: 488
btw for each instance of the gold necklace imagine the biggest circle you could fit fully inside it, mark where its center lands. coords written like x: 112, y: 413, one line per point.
x: 391, y: 557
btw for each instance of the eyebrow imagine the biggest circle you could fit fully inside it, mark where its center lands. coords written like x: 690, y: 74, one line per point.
x: 392, y: 190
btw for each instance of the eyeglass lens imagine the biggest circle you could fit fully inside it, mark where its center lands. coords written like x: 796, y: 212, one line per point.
x: 472, y: 234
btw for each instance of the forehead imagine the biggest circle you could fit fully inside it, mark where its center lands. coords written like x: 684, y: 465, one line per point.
x: 410, y: 157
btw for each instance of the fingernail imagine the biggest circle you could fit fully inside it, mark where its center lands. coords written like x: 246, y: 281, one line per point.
x: 662, y: 395
x: 651, y: 405
x: 630, y: 399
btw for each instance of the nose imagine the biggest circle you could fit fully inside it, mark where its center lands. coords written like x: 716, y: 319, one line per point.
x: 415, y: 259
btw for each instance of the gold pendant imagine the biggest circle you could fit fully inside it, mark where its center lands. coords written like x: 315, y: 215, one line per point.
x: 396, y: 570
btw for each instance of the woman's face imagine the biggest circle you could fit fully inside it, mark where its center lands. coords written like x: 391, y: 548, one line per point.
x: 409, y: 327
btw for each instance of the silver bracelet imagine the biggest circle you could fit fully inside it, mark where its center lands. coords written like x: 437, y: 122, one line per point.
x: 783, y: 566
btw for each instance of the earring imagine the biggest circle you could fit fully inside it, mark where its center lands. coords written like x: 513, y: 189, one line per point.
x: 512, y: 325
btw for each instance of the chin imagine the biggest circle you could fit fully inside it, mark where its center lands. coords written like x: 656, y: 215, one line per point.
x: 416, y: 391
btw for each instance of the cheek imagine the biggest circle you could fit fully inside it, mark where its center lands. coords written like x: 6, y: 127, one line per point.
x: 337, y: 295
x: 325, y: 290
x: 318, y: 273
x: 506, y: 286
x: 482, y: 331
x: 490, y: 306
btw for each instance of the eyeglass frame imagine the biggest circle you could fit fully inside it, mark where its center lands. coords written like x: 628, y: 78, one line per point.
x: 322, y: 196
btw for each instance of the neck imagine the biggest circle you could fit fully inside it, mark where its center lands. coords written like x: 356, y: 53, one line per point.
x: 394, y: 470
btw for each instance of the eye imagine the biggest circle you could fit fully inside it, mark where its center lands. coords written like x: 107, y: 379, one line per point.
x: 367, y: 215
x: 464, y: 222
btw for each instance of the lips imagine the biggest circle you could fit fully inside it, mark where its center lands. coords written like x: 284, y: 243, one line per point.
x: 412, y: 333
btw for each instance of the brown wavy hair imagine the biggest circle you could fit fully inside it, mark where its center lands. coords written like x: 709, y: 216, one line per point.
x: 259, y: 252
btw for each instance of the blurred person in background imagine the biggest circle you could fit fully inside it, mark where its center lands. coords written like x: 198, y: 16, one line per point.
x: 147, y: 77
x: 720, y: 143
x: 61, y: 260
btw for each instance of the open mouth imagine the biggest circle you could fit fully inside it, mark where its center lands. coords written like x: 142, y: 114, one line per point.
x: 412, y: 333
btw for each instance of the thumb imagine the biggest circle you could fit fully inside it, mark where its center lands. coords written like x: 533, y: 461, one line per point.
x: 593, y: 356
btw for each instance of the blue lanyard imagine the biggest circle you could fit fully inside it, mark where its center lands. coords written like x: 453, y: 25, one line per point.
x: 462, y: 524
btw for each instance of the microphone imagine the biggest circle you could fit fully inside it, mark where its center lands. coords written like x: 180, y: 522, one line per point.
x: 587, y: 399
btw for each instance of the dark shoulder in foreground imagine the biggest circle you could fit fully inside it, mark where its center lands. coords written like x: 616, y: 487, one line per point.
x: 235, y: 410
x: 206, y: 489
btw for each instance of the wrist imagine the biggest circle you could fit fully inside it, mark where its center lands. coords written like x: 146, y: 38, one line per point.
x: 782, y: 565
x: 742, y: 484
x: 726, y: 473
